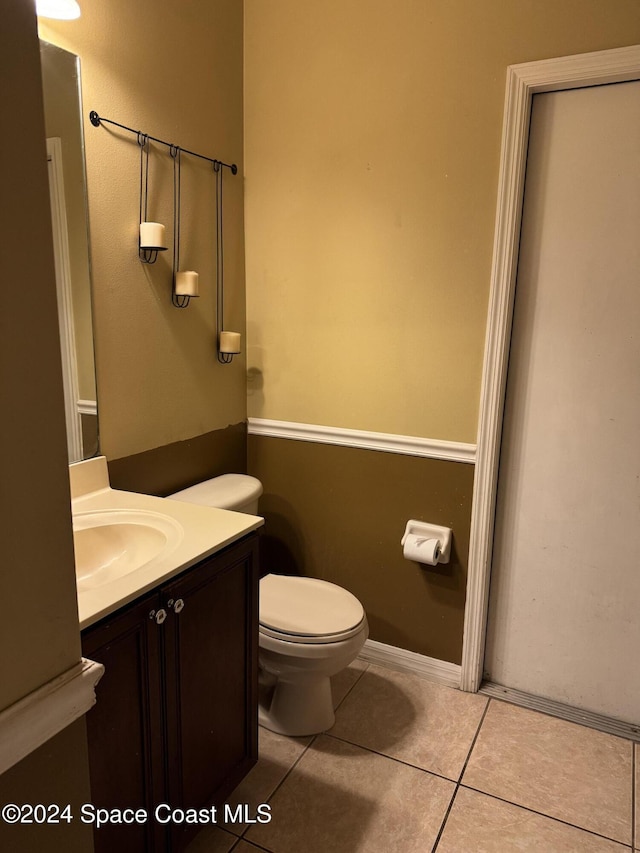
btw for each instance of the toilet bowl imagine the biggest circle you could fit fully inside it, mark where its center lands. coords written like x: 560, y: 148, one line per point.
x: 309, y: 629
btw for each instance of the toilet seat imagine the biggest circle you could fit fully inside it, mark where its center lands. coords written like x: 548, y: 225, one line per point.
x: 317, y: 639
x: 308, y: 610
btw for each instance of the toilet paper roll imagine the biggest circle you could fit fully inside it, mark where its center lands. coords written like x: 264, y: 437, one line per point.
x: 421, y: 550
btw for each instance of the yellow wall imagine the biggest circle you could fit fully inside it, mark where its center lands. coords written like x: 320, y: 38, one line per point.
x: 372, y: 145
x: 173, y: 71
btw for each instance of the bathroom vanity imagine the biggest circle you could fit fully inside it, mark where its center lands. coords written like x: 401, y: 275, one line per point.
x: 175, y: 720
x: 176, y: 714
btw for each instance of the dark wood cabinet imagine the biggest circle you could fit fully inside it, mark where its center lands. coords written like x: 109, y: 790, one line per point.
x: 125, y: 728
x: 176, y: 715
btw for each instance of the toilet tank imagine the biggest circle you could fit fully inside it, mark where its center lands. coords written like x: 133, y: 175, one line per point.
x: 238, y: 492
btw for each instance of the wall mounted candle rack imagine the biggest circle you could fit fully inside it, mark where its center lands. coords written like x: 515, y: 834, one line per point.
x: 185, y: 283
x: 148, y: 252
x: 96, y: 120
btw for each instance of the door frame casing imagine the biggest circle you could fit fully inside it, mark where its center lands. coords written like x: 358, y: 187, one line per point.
x: 523, y: 82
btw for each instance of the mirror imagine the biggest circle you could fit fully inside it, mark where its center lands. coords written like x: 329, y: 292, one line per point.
x: 67, y: 183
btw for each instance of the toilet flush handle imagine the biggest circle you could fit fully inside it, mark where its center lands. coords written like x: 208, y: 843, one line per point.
x: 177, y: 606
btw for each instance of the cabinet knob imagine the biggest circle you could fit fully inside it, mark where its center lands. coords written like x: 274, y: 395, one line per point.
x: 177, y: 606
x: 158, y: 616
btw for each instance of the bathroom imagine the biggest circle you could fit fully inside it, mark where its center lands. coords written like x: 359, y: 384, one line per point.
x: 360, y: 240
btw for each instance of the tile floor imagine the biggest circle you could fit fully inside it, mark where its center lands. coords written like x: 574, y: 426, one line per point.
x: 414, y: 767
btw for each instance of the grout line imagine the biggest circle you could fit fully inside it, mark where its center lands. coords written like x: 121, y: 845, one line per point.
x: 235, y: 844
x: 268, y: 798
x: 408, y: 763
x: 388, y: 757
x: 474, y: 741
x: 313, y: 739
x: 293, y: 766
x: 548, y: 816
x: 304, y: 751
x: 251, y: 843
x: 445, y: 819
x: 341, y: 702
x: 459, y: 782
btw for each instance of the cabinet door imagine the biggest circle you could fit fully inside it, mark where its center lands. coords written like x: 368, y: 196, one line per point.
x: 125, y: 726
x: 211, y: 659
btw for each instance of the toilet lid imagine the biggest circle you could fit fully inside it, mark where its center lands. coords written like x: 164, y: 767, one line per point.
x: 307, y: 606
x: 225, y: 492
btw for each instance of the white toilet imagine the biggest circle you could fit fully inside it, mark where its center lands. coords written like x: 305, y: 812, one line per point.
x: 310, y: 629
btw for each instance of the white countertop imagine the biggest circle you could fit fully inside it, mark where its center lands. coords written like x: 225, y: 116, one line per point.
x: 206, y: 531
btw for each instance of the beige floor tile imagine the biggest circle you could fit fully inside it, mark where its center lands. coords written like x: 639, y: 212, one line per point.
x: 561, y: 769
x: 480, y: 824
x: 245, y: 847
x: 276, y: 755
x: 342, y: 683
x: 212, y: 840
x: 344, y: 799
x: 406, y: 717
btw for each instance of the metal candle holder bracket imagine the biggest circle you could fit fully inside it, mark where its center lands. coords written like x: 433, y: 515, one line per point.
x: 97, y: 120
x: 149, y: 254
x: 177, y: 300
x: 223, y: 357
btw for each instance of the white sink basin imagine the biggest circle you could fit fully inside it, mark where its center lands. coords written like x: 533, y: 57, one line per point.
x: 112, y: 543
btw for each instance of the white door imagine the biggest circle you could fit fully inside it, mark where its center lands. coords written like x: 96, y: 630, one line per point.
x: 564, y: 612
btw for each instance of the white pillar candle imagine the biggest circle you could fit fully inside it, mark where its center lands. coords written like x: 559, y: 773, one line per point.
x: 230, y: 342
x: 187, y: 283
x: 151, y: 235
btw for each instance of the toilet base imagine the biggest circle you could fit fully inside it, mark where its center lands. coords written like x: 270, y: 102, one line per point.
x: 296, y: 709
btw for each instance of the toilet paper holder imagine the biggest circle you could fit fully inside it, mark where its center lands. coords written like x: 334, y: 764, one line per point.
x: 430, y: 531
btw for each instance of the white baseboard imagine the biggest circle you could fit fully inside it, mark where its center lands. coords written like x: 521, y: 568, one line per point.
x: 405, y: 661
x: 35, y: 719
